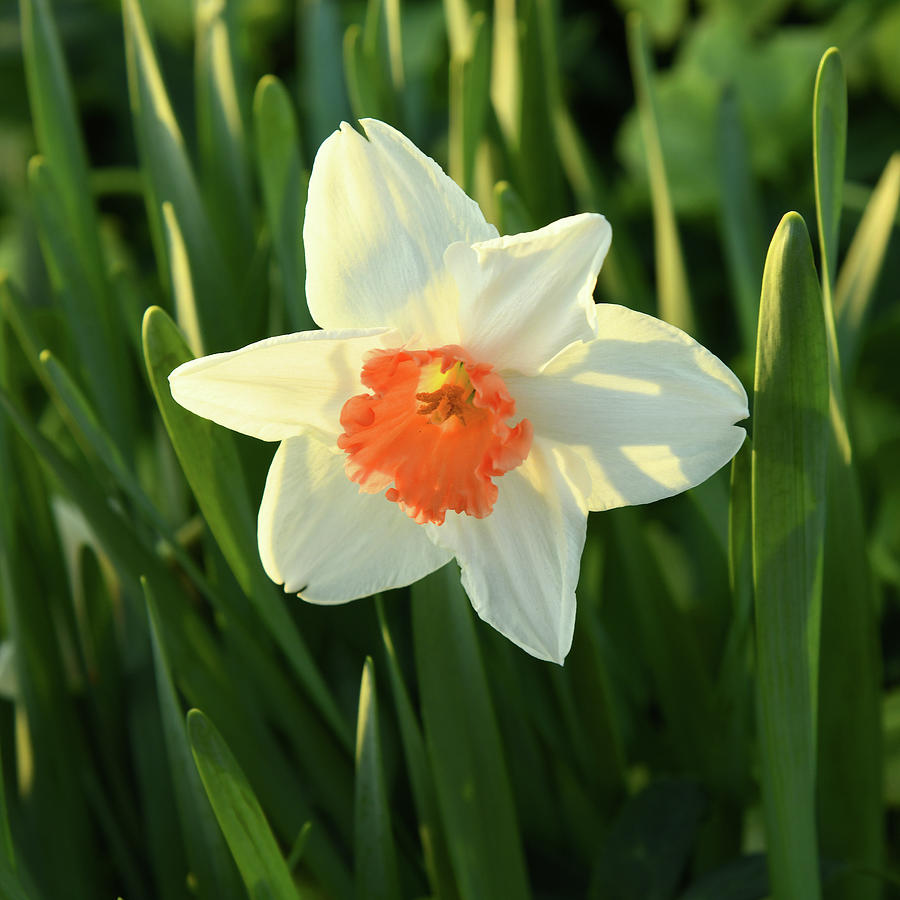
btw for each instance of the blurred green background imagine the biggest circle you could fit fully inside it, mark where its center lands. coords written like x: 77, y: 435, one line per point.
x: 154, y: 153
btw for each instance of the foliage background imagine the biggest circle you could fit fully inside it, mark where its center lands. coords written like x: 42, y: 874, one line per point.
x: 145, y: 163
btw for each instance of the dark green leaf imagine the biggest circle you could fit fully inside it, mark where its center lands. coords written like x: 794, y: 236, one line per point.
x: 284, y: 185
x: 209, y: 860
x: 464, y: 745
x: 375, y: 856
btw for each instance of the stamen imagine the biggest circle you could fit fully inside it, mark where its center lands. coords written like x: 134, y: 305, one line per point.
x: 433, y: 431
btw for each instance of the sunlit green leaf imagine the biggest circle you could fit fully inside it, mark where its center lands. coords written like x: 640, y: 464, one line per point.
x: 862, y: 266
x: 671, y: 276
x: 829, y: 151
x: 170, y: 178
x: 470, y: 73
x: 239, y: 814
x: 790, y: 440
x: 225, y: 164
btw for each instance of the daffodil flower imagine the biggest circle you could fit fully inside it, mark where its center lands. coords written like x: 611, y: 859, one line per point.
x: 466, y: 398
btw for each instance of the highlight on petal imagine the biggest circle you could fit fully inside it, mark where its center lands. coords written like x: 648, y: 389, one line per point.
x: 434, y: 431
x: 275, y: 387
x: 525, y: 297
x: 648, y: 410
x: 324, y: 540
x: 379, y: 217
x: 520, y: 565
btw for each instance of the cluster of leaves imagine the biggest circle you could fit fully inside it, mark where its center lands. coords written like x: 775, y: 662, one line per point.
x: 726, y: 692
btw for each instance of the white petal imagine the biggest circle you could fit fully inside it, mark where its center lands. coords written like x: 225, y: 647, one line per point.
x: 526, y: 297
x: 520, y: 564
x: 320, y: 537
x: 379, y: 217
x: 649, y: 410
x: 274, y: 388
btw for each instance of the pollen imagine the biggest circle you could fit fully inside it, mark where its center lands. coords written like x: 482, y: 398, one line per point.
x: 433, y: 433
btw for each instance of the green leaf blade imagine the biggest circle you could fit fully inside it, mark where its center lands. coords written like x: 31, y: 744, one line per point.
x: 170, y: 178
x: 741, y: 218
x: 375, y: 856
x: 675, y: 305
x: 434, y: 845
x: 788, y: 509
x: 829, y: 154
x: 222, y: 137
x: 284, y: 188
x: 470, y: 774
x: 239, y: 814
x: 858, y: 277
x: 210, y: 462
x: 207, y: 853
x: 85, y: 298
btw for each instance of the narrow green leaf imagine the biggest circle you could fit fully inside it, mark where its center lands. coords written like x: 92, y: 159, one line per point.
x: 790, y: 440
x: 850, y: 763
x: 85, y: 298
x: 170, y: 178
x: 11, y: 886
x: 186, y: 313
x: 464, y: 744
x: 682, y: 683
x: 394, y: 26
x: 96, y: 443
x: 742, y: 220
x: 469, y: 100
x: 539, y: 175
x: 850, y: 788
x: 55, y: 121
x: 506, y: 71
x: 209, y: 459
x: 284, y: 186
x: 859, y: 273
x: 239, y: 814
x: 225, y: 164
x: 207, y: 455
x: 363, y: 82
x: 457, y: 18
x: 321, y: 80
x: 431, y: 833
x: 208, y: 856
x: 623, y: 278
x: 116, y: 537
x: 671, y: 275
x: 382, y: 46
x: 829, y: 151
x: 740, y: 548
x: 69, y: 224
x: 375, y: 857
x: 59, y: 801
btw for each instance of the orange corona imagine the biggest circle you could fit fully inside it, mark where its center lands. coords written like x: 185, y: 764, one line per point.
x: 434, y: 432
